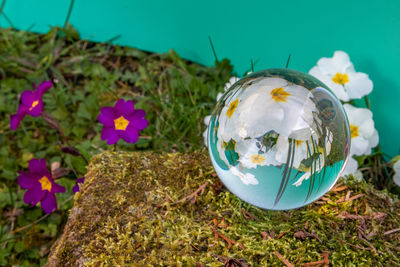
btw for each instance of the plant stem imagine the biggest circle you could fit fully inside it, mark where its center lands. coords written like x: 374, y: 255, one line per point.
x: 2, y: 6
x: 367, y: 102
x: 53, y: 123
x: 40, y: 219
x: 71, y: 5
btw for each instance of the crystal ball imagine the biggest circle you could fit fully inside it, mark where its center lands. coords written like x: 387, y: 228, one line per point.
x: 278, y: 139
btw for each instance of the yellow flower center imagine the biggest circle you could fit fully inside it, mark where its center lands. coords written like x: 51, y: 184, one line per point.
x: 298, y: 142
x: 45, y: 182
x: 232, y: 108
x: 340, y: 78
x: 121, y: 123
x: 279, y: 94
x: 257, y: 159
x: 34, y: 104
x: 353, y: 131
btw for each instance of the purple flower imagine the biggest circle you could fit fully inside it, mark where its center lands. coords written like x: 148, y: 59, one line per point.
x: 40, y: 185
x: 31, y: 103
x: 76, y: 186
x: 122, y: 121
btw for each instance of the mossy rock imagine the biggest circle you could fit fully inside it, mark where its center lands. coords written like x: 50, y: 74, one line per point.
x: 149, y: 209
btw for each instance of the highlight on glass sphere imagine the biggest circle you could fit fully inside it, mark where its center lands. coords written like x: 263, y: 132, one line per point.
x: 279, y: 139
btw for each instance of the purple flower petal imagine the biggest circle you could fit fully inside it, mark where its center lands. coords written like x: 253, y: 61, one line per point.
x: 37, y: 110
x: 27, y: 97
x: 107, y: 116
x: 140, y: 124
x: 49, y: 203
x: 27, y: 180
x: 124, y: 107
x: 15, y: 120
x: 44, y: 87
x: 56, y: 188
x: 76, y: 186
x: 39, y: 166
x: 130, y: 135
x: 138, y: 114
x: 138, y: 120
x: 109, y: 134
x: 34, y: 195
x: 75, y: 189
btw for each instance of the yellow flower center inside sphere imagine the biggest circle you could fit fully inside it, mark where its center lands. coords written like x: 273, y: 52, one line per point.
x: 45, y: 182
x: 257, y: 159
x: 121, y: 123
x: 353, y: 131
x: 340, y: 78
x: 232, y: 108
x: 298, y: 142
x: 279, y: 95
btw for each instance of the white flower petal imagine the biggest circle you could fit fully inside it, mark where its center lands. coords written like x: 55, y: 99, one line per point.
x: 337, y: 89
x: 207, y: 120
x: 372, y: 142
x: 219, y: 95
x: 305, y: 176
x: 340, y: 62
x: 396, y: 177
x: 231, y: 82
x: 359, y: 146
x: 205, y: 137
x: 367, y: 135
x: 246, y: 178
x: 358, y: 175
x: 359, y: 85
x: 351, y: 167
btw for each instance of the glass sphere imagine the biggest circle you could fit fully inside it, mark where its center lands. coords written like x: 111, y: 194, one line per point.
x: 278, y: 139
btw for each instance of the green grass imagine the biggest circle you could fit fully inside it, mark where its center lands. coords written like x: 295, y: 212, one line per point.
x: 176, y: 95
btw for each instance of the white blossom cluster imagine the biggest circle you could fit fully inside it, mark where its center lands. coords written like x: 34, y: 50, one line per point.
x: 339, y: 75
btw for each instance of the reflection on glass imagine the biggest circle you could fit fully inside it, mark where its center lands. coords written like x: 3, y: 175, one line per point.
x: 278, y: 139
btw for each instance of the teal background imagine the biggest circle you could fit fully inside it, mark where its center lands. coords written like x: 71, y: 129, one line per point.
x: 264, y: 31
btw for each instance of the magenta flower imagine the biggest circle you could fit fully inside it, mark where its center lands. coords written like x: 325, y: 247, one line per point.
x: 31, y: 103
x: 76, y: 186
x: 122, y: 121
x: 40, y: 185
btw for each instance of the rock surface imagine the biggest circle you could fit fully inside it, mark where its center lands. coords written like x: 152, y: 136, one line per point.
x: 149, y: 209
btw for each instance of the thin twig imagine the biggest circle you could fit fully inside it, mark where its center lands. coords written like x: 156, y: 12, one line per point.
x: 282, y: 259
x: 391, y: 231
x: 193, y: 196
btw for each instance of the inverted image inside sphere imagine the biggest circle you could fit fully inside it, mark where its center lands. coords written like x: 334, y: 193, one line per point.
x: 279, y: 139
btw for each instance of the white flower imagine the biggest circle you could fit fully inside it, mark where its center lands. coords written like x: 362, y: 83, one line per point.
x: 300, y: 151
x: 339, y: 75
x: 246, y: 178
x: 317, y: 165
x: 351, y: 167
x: 396, y: 177
x: 270, y: 104
x: 206, y: 122
x: 231, y: 81
x: 364, y: 136
x: 252, y: 154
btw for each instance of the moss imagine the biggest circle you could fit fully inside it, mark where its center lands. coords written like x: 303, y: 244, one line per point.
x: 138, y: 209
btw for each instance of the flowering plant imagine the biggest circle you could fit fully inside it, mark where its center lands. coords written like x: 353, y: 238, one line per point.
x: 120, y: 121
x: 339, y: 74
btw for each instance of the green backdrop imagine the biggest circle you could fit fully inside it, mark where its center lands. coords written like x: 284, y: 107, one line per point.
x: 265, y: 31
